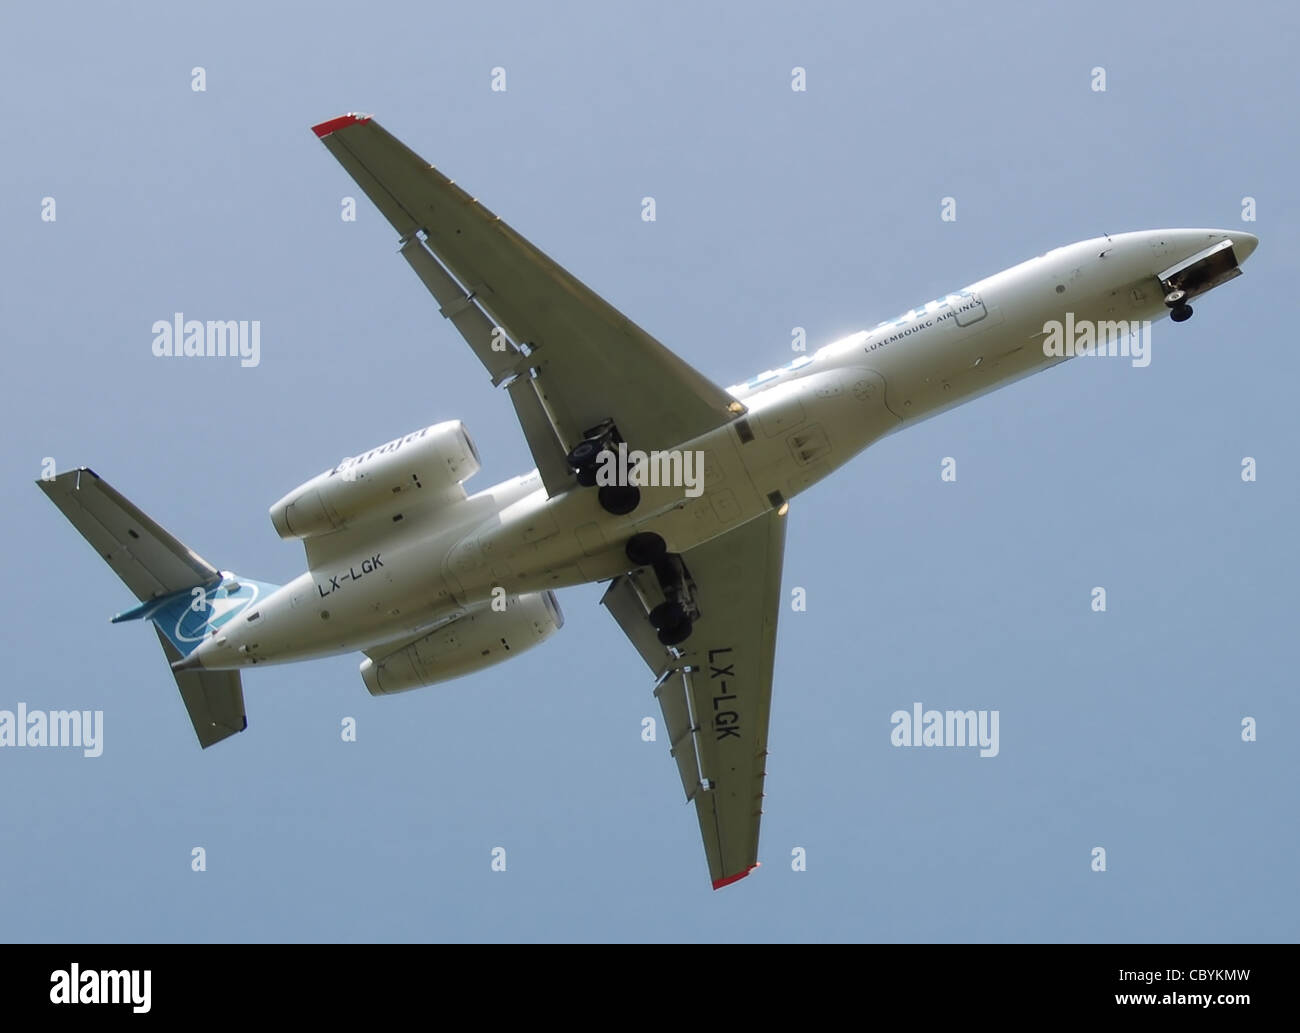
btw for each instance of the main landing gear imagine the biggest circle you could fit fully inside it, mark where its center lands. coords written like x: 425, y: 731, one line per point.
x: 674, y: 618
x: 584, y: 458
x: 645, y: 548
x: 1179, y: 310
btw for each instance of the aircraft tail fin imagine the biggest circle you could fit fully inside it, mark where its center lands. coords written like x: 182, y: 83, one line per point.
x: 185, y: 596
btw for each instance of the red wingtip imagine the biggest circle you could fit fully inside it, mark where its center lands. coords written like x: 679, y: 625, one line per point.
x: 335, y: 124
x: 719, y: 883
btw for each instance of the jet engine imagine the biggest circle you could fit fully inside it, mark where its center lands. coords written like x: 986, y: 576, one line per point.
x: 429, y: 465
x: 481, y: 638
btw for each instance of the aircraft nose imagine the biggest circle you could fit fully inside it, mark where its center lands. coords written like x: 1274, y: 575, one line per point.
x: 1244, y: 245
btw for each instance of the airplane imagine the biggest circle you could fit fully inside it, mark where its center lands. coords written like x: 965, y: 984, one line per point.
x: 431, y: 583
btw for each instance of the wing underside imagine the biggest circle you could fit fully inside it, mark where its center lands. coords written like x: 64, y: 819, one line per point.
x: 572, y: 363
x: 715, y: 689
x: 569, y: 359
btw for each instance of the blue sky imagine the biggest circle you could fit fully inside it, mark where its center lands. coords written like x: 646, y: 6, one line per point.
x: 775, y: 209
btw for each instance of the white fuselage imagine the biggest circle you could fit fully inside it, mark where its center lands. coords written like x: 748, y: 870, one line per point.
x: 803, y: 421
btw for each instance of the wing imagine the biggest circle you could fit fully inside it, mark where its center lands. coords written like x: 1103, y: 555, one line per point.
x: 145, y: 556
x: 570, y: 359
x: 715, y: 690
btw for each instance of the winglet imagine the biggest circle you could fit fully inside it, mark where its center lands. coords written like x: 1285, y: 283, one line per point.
x: 335, y: 124
x: 728, y: 880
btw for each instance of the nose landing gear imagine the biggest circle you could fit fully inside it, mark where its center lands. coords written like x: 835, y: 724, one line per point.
x: 1198, y: 273
x: 1179, y: 310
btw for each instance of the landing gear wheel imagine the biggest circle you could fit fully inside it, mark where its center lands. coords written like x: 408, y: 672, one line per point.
x: 1181, y: 312
x: 1174, y: 297
x: 619, y: 499
x: 587, y: 476
x: 675, y: 634
x: 667, y: 615
x: 644, y: 548
x: 584, y: 453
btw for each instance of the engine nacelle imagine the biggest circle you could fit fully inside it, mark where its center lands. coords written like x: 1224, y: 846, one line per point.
x: 479, y: 639
x: 427, y: 465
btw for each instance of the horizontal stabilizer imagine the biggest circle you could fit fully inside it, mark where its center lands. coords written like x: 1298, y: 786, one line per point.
x: 184, y: 595
x: 214, y: 699
x: 146, y: 557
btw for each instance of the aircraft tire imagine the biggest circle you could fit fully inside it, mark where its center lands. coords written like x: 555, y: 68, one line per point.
x: 667, y: 615
x: 619, y: 499
x: 584, y: 453
x: 644, y: 547
x: 675, y: 634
